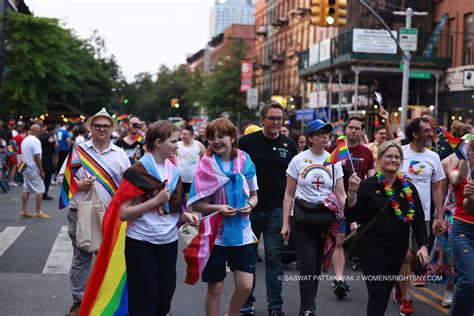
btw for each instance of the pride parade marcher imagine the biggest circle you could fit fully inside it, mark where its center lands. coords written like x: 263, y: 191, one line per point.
x: 317, y: 186
x: 226, y: 182
x: 102, y: 167
x: 382, y: 248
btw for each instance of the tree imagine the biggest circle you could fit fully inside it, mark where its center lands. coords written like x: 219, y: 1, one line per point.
x: 221, y: 89
x: 47, y: 64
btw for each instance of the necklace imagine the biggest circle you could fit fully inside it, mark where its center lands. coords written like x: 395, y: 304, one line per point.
x: 407, y: 194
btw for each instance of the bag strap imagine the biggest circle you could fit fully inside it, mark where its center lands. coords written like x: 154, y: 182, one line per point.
x: 333, y: 177
x: 372, y: 220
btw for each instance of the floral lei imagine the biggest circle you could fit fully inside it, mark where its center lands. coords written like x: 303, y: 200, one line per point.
x: 407, y: 193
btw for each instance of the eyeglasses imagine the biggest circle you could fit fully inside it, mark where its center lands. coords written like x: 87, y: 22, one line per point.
x: 392, y: 157
x: 274, y: 118
x: 428, y: 131
x: 104, y: 127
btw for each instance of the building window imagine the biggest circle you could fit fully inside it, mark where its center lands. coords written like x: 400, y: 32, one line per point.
x: 467, y: 40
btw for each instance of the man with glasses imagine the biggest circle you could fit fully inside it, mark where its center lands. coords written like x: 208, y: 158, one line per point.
x: 112, y: 163
x: 363, y: 164
x: 271, y: 152
x: 423, y: 168
x: 132, y: 147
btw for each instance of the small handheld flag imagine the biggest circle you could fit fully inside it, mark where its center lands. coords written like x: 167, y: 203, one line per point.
x: 452, y: 140
x: 69, y: 186
x: 378, y: 97
x: 21, y: 167
x: 339, y: 153
x: 139, y: 138
x: 461, y: 150
x: 10, y: 150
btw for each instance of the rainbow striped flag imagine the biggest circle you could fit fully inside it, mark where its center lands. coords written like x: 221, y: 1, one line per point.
x: 452, y: 140
x: 21, y: 167
x: 139, y: 138
x: 340, y: 153
x: 461, y: 150
x: 69, y: 187
x: 10, y: 150
x: 122, y: 117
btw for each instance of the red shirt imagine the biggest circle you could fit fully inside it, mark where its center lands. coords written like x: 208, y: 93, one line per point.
x: 460, y: 212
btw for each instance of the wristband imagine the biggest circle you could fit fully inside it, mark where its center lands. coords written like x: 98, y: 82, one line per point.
x: 250, y: 204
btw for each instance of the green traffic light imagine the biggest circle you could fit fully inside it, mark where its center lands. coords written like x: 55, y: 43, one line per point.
x: 330, y: 20
x: 125, y: 101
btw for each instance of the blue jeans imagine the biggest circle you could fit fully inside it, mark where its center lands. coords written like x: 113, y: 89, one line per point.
x: 462, y: 241
x: 269, y: 223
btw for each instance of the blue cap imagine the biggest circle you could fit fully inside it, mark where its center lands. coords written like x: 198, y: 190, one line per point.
x: 317, y: 125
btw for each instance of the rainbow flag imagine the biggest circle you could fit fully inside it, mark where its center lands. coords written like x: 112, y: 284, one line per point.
x: 69, y: 186
x: 106, y: 291
x: 10, y: 150
x: 21, y: 167
x: 122, y: 117
x: 461, y: 150
x: 452, y: 140
x: 340, y: 153
x: 139, y: 138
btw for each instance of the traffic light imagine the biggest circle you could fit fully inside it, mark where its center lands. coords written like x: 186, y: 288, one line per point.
x: 125, y: 101
x: 175, y: 103
x: 318, y: 12
x: 331, y: 12
x: 341, y: 13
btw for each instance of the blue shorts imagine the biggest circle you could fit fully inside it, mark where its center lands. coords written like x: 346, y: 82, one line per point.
x: 342, y: 226
x: 240, y: 258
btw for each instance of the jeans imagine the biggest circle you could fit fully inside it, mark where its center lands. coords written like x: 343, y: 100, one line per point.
x: 462, y: 241
x: 309, y: 246
x: 151, y: 276
x: 379, y: 290
x: 269, y: 223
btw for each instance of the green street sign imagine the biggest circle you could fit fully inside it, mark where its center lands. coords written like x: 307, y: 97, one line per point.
x: 416, y: 74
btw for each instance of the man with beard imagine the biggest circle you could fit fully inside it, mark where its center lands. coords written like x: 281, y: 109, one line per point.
x: 132, y: 147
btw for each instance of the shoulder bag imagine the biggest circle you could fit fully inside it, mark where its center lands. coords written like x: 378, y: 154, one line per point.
x: 351, y: 241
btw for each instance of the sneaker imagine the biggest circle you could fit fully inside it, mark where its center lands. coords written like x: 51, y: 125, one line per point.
x: 46, y: 197
x: 42, y: 215
x: 340, y: 288
x: 275, y: 312
x: 406, y: 306
x: 307, y: 313
x: 447, y: 299
x: 419, y: 281
x: 26, y: 214
x: 397, y: 293
x: 13, y: 184
x: 247, y: 309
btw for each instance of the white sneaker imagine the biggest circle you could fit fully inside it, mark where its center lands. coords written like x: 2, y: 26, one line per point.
x: 447, y: 299
x: 13, y: 184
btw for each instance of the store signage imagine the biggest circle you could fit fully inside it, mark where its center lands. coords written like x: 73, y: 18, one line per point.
x: 468, y: 78
x: 306, y: 114
x: 409, y: 39
x: 246, y: 75
x: 373, y: 41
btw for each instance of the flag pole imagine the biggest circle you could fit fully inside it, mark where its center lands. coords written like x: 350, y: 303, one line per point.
x: 350, y: 157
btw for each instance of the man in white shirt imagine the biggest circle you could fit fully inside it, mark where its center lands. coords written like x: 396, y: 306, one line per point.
x: 423, y: 168
x: 114, y: 162
x: 33, y: 173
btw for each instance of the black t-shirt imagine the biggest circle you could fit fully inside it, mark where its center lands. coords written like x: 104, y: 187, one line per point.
x: 271, y: 158
x: 48, y: 145
x: 134, y: 151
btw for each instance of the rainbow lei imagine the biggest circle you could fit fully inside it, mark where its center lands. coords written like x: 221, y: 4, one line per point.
x: 407, y: 194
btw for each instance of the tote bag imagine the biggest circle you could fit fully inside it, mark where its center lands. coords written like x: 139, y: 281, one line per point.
x: 89, y: 222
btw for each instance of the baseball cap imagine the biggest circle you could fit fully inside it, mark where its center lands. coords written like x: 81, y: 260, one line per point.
x: 317, y: 125
x: 252, y: 129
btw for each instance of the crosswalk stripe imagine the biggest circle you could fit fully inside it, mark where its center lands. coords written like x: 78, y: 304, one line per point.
x: 60, y: 257
x: 8, y: 237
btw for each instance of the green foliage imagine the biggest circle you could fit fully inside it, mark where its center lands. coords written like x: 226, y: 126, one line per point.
x: 47, y: 64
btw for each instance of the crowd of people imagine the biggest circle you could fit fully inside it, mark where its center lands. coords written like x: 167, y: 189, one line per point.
x: 414, y: 194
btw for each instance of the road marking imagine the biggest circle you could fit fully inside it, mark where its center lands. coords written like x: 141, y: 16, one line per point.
x: 429, y: 302
x: 432, y: 293
x: 8, y: 237
x: 60, y: 257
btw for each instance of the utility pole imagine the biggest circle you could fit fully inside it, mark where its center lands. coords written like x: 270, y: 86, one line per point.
x: 409, y: 13
x: 2, y: 45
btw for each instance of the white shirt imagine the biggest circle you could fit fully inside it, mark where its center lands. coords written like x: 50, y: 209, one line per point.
x: 30, y: 147
x: 422, y: 169
x: 187, y: 160
x: 314, y: 181
x: 153, y: 227
x: 114, y: 157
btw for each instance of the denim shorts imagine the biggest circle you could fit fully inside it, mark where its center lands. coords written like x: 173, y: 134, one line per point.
x: 240, y: 258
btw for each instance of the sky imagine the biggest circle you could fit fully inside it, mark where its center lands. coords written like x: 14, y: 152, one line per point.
x: 141, y: 34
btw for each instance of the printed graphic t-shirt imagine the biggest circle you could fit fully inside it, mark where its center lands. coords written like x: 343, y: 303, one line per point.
x: 422, y: 169
x: 314, y: 180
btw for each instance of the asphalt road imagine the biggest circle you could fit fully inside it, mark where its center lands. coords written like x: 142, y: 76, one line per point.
x: 35, y: 256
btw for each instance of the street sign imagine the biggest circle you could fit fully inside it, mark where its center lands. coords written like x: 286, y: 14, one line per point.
x: 306, y: 114
x: 373, y: 41
x: 416, y: 74
x: 252, y: 98
x: 409, y: 39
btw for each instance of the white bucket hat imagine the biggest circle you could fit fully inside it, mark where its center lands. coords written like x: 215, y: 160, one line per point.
x: 101, y: 113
